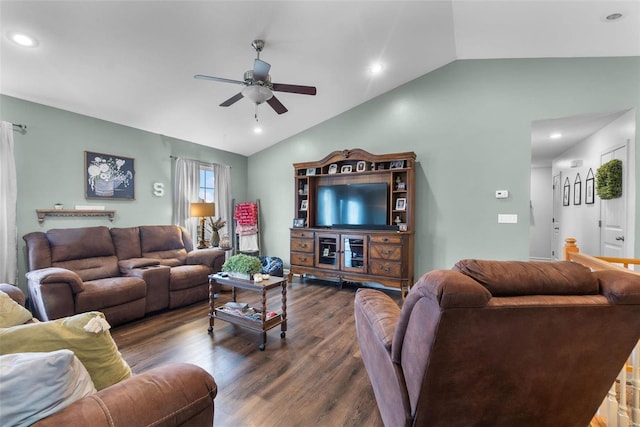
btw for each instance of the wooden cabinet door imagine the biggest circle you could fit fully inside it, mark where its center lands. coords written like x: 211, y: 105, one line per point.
x: 354, y: 252
x: 327, y: 251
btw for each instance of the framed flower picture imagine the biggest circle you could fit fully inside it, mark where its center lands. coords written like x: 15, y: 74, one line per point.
x: 108, y: 176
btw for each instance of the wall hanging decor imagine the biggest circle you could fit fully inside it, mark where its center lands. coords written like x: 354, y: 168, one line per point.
x: 108, y: 176
x: 589, y: 191
x: 566, y: 191
x: 577, y: 190
x: 609, y: 180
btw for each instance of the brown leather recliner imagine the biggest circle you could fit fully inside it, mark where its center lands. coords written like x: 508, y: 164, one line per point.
x: 76, y: 270
x: 499, y: 343
x: 170, y: 247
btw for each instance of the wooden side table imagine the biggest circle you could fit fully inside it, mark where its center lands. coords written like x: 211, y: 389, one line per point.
x: 257, y: 318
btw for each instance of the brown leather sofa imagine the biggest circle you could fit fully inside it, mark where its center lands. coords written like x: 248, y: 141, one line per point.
x: 124, y: 272
x: 493, y: 343
x: 177, y: 394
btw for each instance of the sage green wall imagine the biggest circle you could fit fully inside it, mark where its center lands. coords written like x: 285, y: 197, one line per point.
x: 50, y: 168
x: 469, y: 123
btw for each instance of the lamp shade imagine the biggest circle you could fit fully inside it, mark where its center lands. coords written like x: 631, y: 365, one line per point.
x: 202, y: 209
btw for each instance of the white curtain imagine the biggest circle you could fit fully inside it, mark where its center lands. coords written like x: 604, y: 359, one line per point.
x: 187, y: 188
x: 8, y: 207
x: 222, y: 196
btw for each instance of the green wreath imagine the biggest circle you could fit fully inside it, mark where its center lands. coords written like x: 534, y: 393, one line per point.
x: 609, y: 180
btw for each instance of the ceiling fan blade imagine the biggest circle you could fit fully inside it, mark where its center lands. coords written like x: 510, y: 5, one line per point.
x: 217, y: 79
x: 260, y: 70
x: 235, y: 98
x: 303, y: 90
x: 277, y: 105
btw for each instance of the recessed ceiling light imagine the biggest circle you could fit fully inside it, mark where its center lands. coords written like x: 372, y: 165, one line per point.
x: 555, y: 135
x: 22, y: 39
x: 257, y: 129
x: 613, y: 17
x: 376, y: 68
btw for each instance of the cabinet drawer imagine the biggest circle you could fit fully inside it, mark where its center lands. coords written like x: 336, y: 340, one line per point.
x: 301, y: 245
x: 302, y: 234
x: 302, y: 259
x: 388, y: 252
x: 385, y: 268
x: 387, y: 239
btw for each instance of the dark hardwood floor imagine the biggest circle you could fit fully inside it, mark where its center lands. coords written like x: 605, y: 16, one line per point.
x: 313, y: 377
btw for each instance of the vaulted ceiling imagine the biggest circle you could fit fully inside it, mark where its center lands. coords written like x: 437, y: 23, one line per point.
x: 133, y: 62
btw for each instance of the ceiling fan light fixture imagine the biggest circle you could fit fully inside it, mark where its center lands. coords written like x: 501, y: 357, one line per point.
x: 257, y: 94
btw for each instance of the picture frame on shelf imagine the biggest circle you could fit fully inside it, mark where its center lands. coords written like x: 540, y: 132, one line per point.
x: 333, y: 168
x: 396, y: 164
x: 304, y: 205
x: 401, y: 204
x: 346, y: 169
x: 298, y: 222
x: 361, y: 166
x: 108, y: 176
x: 311, y: 171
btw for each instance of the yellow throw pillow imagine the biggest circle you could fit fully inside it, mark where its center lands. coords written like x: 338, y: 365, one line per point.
x: 12, y: 313
x: 97, y: 352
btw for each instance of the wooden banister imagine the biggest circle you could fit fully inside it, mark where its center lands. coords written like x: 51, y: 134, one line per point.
x: 572, y: 253
x: 614, y: 411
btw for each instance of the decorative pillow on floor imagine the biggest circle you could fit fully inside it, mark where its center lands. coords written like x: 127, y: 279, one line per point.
x: 12, y: 313
x: 97, y: 351
x: 36, y: 385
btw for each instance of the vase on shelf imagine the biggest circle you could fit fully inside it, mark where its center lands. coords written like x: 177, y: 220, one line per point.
x: 215, y: 238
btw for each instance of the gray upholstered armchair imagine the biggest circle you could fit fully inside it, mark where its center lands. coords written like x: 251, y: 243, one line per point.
x: 494, y: 343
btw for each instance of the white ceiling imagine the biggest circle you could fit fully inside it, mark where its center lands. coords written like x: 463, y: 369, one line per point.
x: 133, y: 62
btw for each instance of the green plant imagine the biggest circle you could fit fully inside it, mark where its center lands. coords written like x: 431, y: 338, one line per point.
x: 242, y: 263
x: 609, y: 180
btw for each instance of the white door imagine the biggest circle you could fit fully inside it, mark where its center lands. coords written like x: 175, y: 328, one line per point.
x: 613, y: 212
x: 556, y: 244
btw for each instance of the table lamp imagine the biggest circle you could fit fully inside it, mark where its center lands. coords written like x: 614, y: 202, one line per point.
x: 202, y: 210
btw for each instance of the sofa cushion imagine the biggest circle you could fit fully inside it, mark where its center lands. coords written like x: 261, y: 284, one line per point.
x: 77, y: 243
x: 12, y: 313
x: 188, y: 276
x: 109, y: 292
x: 126, y: 242
x: 514, y: 278
x: 97, y: 352
x: 155, y: 238
x: 163, y: 242
x: 36, y: 385
x: 92, y: 268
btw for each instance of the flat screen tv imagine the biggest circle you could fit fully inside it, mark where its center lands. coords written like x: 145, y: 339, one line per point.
x: 357, y: 205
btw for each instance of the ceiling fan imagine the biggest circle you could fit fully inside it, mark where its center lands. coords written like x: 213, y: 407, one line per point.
x: 258, y: 86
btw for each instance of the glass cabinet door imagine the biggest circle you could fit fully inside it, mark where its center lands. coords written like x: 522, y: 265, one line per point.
x: 354, y: 253
x: 327, y: 251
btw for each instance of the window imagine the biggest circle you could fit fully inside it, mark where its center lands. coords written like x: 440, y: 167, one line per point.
x: 206, y: 184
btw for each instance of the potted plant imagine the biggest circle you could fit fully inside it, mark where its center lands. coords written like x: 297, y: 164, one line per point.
x: 242, y: 266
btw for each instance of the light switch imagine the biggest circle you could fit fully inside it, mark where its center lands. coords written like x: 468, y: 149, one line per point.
x: 507, y: 218
x: 502, y: 194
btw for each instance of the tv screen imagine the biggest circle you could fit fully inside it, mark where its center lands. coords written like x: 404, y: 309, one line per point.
x: 352, y: 204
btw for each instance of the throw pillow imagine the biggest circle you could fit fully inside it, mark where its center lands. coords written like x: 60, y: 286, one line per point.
x: 12, y: 313
x: 36, y: 385
x: 97, y: 352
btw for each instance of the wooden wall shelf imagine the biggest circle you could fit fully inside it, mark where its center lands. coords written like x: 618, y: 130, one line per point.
x: 42, y: 213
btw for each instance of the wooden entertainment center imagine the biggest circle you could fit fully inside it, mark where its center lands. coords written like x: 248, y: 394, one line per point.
x: 357, y: 251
